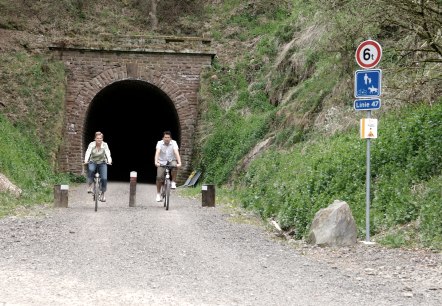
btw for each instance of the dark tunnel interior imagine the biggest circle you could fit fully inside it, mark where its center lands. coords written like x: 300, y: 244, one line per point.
x: 132, y: 116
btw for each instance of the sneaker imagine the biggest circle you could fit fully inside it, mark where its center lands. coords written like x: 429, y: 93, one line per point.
x: 101, y: 197
x: 158, y: 197
x: 173, y: 185
x: 89, y: 189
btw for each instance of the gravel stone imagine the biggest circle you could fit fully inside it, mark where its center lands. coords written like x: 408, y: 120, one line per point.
x: 191, y: 255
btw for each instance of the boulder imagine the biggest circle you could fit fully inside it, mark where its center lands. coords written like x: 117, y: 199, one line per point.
x: 6, y: 185
x: 333, y: 226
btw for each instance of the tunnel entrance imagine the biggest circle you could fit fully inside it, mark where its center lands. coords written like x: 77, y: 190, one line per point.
x: 132, y: 115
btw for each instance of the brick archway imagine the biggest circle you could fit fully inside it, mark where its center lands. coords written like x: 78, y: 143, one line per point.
x: 176, y: 74
x: 163, y: 83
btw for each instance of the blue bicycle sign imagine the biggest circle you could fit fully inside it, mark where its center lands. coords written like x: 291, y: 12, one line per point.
x: 368, y: 83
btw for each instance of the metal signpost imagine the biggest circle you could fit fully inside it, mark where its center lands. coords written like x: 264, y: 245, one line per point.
x: 367, y: 91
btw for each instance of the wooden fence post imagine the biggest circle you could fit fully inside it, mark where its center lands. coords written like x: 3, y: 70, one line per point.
x: 208, y: 195
x: 133, y: 189
x: 61, y: 193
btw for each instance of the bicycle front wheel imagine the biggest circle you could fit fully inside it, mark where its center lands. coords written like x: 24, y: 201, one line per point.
x: 96, y: 193
x: 166, y: 202
x: 163, y: 194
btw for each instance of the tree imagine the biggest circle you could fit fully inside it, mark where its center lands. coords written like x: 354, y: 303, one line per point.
x: 153, y: 14
x: 423, y: 19
x: 165, y: 13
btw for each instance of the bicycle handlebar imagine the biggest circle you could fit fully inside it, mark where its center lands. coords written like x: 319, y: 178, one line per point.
x: 168, y: 166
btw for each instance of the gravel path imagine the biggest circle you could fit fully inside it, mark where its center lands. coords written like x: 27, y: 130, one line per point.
x: 191, y: 255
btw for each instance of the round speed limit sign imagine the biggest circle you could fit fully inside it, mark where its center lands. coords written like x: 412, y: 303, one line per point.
x: 368, y: 54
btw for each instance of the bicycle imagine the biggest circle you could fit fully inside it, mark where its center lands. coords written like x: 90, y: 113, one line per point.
x: 165, y: 188
x: 97, y: 194
x: 96, y: 191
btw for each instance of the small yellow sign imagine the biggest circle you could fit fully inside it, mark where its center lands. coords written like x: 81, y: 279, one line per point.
x: 369, y: 128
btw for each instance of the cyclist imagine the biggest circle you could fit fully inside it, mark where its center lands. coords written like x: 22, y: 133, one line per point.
x: 167, y: 152
x: 97, y: 157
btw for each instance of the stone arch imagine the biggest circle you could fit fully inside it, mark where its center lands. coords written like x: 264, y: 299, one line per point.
x: 77, y: 115
x: 164, y: 83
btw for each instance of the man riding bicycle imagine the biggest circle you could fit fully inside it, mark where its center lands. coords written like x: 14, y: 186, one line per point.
x: 167, y: 153
x: 97, y: 158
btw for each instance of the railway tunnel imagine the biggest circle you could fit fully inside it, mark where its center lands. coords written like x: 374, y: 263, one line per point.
x: 132, y: 115
x: 131, y: 89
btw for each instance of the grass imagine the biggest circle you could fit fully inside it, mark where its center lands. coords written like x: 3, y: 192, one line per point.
x: 24, y: 162
x: 406, y: 168
x: 36, y: 87
x: 30, y: 135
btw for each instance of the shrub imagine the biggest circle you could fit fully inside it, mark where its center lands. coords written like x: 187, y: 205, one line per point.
x: 429, y: 198
x: 292, y: 186
x: 23, y: 163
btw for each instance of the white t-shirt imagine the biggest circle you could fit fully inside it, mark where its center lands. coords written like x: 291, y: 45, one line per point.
x: 166, y: 151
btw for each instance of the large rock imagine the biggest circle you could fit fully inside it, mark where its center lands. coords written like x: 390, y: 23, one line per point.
x: 6, y: 185
x: 333, y: 226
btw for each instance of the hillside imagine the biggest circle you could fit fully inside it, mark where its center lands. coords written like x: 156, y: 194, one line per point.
x: 285, y: 131
x: 277, y: 122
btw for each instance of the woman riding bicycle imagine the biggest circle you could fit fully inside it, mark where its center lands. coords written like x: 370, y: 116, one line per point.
x: 97, y: 158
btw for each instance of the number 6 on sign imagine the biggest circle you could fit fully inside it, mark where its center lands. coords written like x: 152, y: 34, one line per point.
x: 368, y: 54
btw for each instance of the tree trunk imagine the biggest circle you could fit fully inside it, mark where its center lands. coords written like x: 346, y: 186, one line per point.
x: 153, y: 14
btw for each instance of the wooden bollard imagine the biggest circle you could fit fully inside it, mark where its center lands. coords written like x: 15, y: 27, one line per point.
x: 61, y: 195
x: 208, y: 195
x: 133, y: 189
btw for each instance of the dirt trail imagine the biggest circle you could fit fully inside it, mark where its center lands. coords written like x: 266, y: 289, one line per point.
x: 188, y: 255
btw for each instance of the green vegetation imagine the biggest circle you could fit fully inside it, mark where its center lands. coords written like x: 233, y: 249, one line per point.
x: 36, y: 87
x: 406, y: 177
x: 294, y: 88
x: 33, y: 89
x: 236, y: 128
x: 429, y: 197
x: 283, y: 80
x: 25, y: 163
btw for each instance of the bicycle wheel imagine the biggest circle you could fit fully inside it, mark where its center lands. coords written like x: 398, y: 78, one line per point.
x: 163, y: 194
x: 96, y: 192
x: 166, y: 202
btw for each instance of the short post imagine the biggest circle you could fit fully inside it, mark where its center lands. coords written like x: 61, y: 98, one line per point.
x: 61, y: 195
x: 133, y: 188
x: 208, y: 195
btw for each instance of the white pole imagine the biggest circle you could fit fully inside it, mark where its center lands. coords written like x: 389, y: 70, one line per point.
x: 367, y: 196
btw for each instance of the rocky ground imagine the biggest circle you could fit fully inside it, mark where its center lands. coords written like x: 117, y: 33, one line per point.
x: 418, y: 271
x: 191, y: 255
